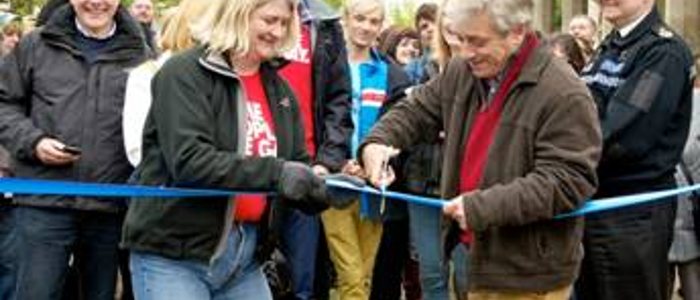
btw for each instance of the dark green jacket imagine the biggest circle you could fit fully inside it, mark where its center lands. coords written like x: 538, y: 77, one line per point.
x: 194, y: 137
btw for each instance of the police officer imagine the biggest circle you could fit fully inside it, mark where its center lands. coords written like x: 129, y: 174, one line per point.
x: 641, y: 78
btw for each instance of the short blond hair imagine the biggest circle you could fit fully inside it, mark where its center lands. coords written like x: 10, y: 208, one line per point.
x: 362, y: 6
x: 176, y: 34
x: 225, y: 25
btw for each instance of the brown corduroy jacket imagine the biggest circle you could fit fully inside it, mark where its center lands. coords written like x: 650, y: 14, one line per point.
x: 541, y: 163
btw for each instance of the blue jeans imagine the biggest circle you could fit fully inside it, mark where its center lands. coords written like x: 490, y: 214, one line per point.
x: 300, y: 234
x: 8, y: 252
x: 235, y: 275
x: 426, y: 238
x: 48, y: 238
x: 460, y: 260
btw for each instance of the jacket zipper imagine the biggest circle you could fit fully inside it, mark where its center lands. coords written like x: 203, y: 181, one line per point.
x: 228, y: 219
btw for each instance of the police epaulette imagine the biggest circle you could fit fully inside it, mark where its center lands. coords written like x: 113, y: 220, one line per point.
x: 664, y: 32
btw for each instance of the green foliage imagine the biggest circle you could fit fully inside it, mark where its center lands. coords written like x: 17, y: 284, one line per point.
x: 402, y: 15
x: 25, y: 7
x: 557, y: 16
x: 337, y: 4
x: 160, y: 4
x: 29, y: 7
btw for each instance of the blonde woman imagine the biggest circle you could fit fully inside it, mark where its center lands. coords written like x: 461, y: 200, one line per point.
x: 354, y: 233
x: 175, y: 37
x: 446, y: 42
x: 221, y: 118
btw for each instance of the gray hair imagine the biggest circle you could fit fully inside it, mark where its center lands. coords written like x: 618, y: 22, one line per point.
x: 588, y: 19
x: 505, y: 15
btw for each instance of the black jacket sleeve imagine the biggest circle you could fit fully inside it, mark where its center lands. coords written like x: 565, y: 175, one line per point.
x: 642, y: 108
x: 398, y: 84
x: 17, y: 130
x: 334, y: 94
x: 184, y: 120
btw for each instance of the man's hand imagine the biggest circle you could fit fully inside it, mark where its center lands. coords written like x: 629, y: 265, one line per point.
x: 320, y: 170
x: 353, y: 168
x: 50, y: 152
x: 455, y: 210
x: 375, y: 158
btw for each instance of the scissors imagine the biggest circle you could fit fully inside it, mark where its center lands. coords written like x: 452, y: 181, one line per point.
x: 385, y: 171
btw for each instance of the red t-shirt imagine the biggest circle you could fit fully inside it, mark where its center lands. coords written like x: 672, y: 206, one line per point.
x: 260, y: 141
x: 298, y: 74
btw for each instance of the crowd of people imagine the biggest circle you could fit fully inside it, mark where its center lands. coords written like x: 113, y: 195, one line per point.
x: 274, y: 98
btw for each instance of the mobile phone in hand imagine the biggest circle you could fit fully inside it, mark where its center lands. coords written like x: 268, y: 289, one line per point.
x: 71, y: 150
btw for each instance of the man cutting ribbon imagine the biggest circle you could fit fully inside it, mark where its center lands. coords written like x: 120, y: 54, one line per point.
x: 522, y: 145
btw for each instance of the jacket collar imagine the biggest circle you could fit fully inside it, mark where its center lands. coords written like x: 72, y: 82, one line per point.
x: 533, y: 67
x: 375, y: 57
x: 532, y: 70
x: 127, y: 42
x: 216, y: 62
x: 646, y: 25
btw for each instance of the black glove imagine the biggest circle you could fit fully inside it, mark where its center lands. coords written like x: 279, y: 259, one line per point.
x: 302, y: 188
x: 340, y: 198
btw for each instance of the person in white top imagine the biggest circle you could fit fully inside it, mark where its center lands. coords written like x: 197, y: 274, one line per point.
x: 175, y: 37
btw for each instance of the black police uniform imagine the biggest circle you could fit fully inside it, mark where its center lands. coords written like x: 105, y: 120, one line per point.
x: 642, y: 84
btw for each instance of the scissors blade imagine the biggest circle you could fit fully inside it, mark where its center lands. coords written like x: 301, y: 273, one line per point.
x: 383, y: 183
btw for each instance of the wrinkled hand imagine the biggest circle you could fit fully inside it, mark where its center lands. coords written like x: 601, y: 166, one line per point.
x: 49, y: 151
x: 340, y: 198
x: 353, y: 168
x: 374, y: 158
x: 455, y: 210
x: 320, y: 170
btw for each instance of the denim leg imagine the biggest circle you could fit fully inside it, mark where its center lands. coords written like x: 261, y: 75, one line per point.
x: 250, y: 285
x: 300, y: 235
x: 460, y: 260
x: 8, y: 252
x: 235, y: 275
x: 44, y: 240
x: 96, y: 254
x: 158, y: 278
x: 426, y: 239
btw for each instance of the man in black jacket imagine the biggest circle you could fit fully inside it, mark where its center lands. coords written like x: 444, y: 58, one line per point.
x: 641, y: 79
x: 317, y: 73
x: 144, y: 13
x: 61, y: 95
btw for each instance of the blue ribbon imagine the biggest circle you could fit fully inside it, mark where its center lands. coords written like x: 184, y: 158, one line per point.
x: 50, y: 187
x: 612, y: 203
x: 70, y: 188
x: 425, y: 201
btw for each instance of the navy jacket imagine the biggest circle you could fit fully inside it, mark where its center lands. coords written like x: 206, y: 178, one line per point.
x: 642, y: 85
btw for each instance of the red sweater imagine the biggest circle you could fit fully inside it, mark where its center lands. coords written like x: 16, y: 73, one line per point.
x: 484, y: 127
